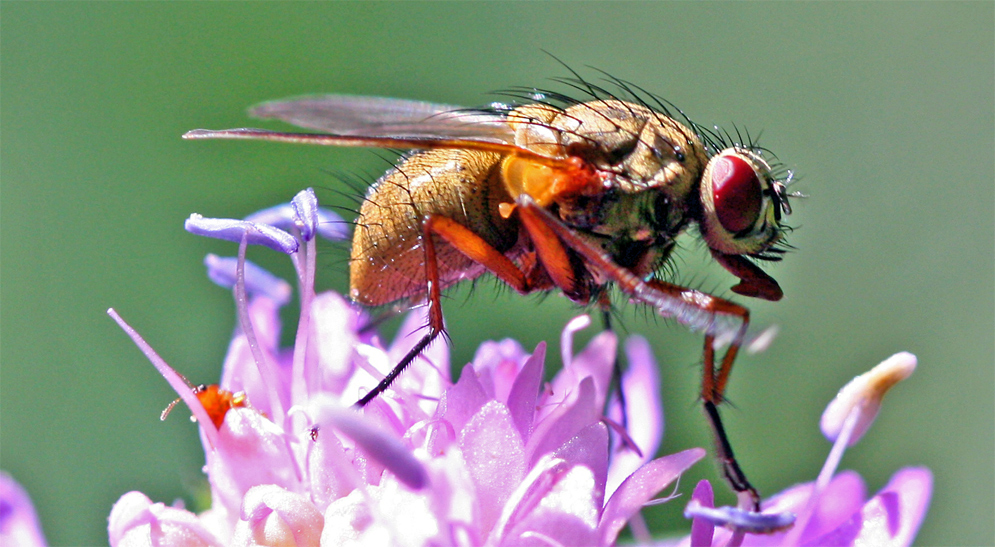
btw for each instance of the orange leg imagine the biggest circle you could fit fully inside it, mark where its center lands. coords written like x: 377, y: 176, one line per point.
x: 694, y: 308
x: 478, y: 250
x: 552, y: 255
x: 713, y: 385
x: 753, y: 281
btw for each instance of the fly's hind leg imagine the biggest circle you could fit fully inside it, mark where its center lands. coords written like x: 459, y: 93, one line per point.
x: 475, y: 248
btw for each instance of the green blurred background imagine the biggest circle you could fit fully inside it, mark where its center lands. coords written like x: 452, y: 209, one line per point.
x: 885, y: 110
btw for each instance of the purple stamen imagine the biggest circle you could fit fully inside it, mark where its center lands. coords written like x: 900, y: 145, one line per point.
x: 266, y: 369
x: 175, y: 380
x: 739, y: 520
x: 575, y: 325
x: 379, y: 445
x: 235, y: 230
x: 298, y: 382
x: 327, y: 224
x: 305, y: 206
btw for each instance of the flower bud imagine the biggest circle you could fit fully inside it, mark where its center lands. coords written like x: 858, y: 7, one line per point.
x: 273, y: 516
x: 136, y: 521
x: 863, y: 395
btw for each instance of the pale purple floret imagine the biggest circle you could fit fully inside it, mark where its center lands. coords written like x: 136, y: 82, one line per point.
x: 498, y: 457
x: 136, y: 520
x: 18, y: 521
x: 237, y: 230
x: 834, y: 509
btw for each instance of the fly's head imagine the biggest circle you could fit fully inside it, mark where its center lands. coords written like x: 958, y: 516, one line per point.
x: 741, y: 203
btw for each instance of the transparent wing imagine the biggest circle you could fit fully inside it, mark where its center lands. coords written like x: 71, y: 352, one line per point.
x: 357, y: 116
x: 380, y: 122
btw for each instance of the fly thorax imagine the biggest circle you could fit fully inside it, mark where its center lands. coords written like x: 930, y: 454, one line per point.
x: 602, y: 132
x: 667, y: 157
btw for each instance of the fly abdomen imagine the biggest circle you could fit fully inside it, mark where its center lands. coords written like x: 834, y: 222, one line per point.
x: 388, y: 260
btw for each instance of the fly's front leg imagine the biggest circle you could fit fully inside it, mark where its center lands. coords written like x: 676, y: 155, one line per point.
x: 713, y: 384
x: 475, y: 248
x: 605, y: 305
x: 691, y: 307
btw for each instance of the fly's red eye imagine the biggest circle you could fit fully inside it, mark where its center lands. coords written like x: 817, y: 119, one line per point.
x: 738, y: 195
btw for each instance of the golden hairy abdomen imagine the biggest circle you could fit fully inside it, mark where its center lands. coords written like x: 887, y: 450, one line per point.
x: 388, y: 259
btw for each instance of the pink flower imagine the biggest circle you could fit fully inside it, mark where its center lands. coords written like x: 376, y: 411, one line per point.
x: 834, y: 509
x: 495, y: 458
x: 18, y: 520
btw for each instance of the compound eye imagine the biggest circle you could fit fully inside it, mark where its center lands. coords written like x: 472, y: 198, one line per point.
x: 738, y: 217
x: 737, y: 193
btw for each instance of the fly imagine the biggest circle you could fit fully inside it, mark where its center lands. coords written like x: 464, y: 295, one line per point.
x: 556, y: 195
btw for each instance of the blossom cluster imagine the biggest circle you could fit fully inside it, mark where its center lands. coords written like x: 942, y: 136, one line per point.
x: 494, y: 457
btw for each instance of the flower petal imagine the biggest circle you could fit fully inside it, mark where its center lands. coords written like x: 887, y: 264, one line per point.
x: 137, y: 522
x: 702, y: 530
x: 388, y: 514
x: 329, y: 468
x: 460, y: 402
x: 333, y: 337
x: 892, y: 517
x: 251, y: 450
x: 597, y: 361
x: 589, y: 448
x: 528, y: 494
x: 565, y: 421
x: 495, y: 458
x: 498, y: 364
x: 643, y: 412
x: 640, y: 488
x: 18, y: 521
x: 566, y: 515
x: 844, y: 495
x: 525, y: 390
